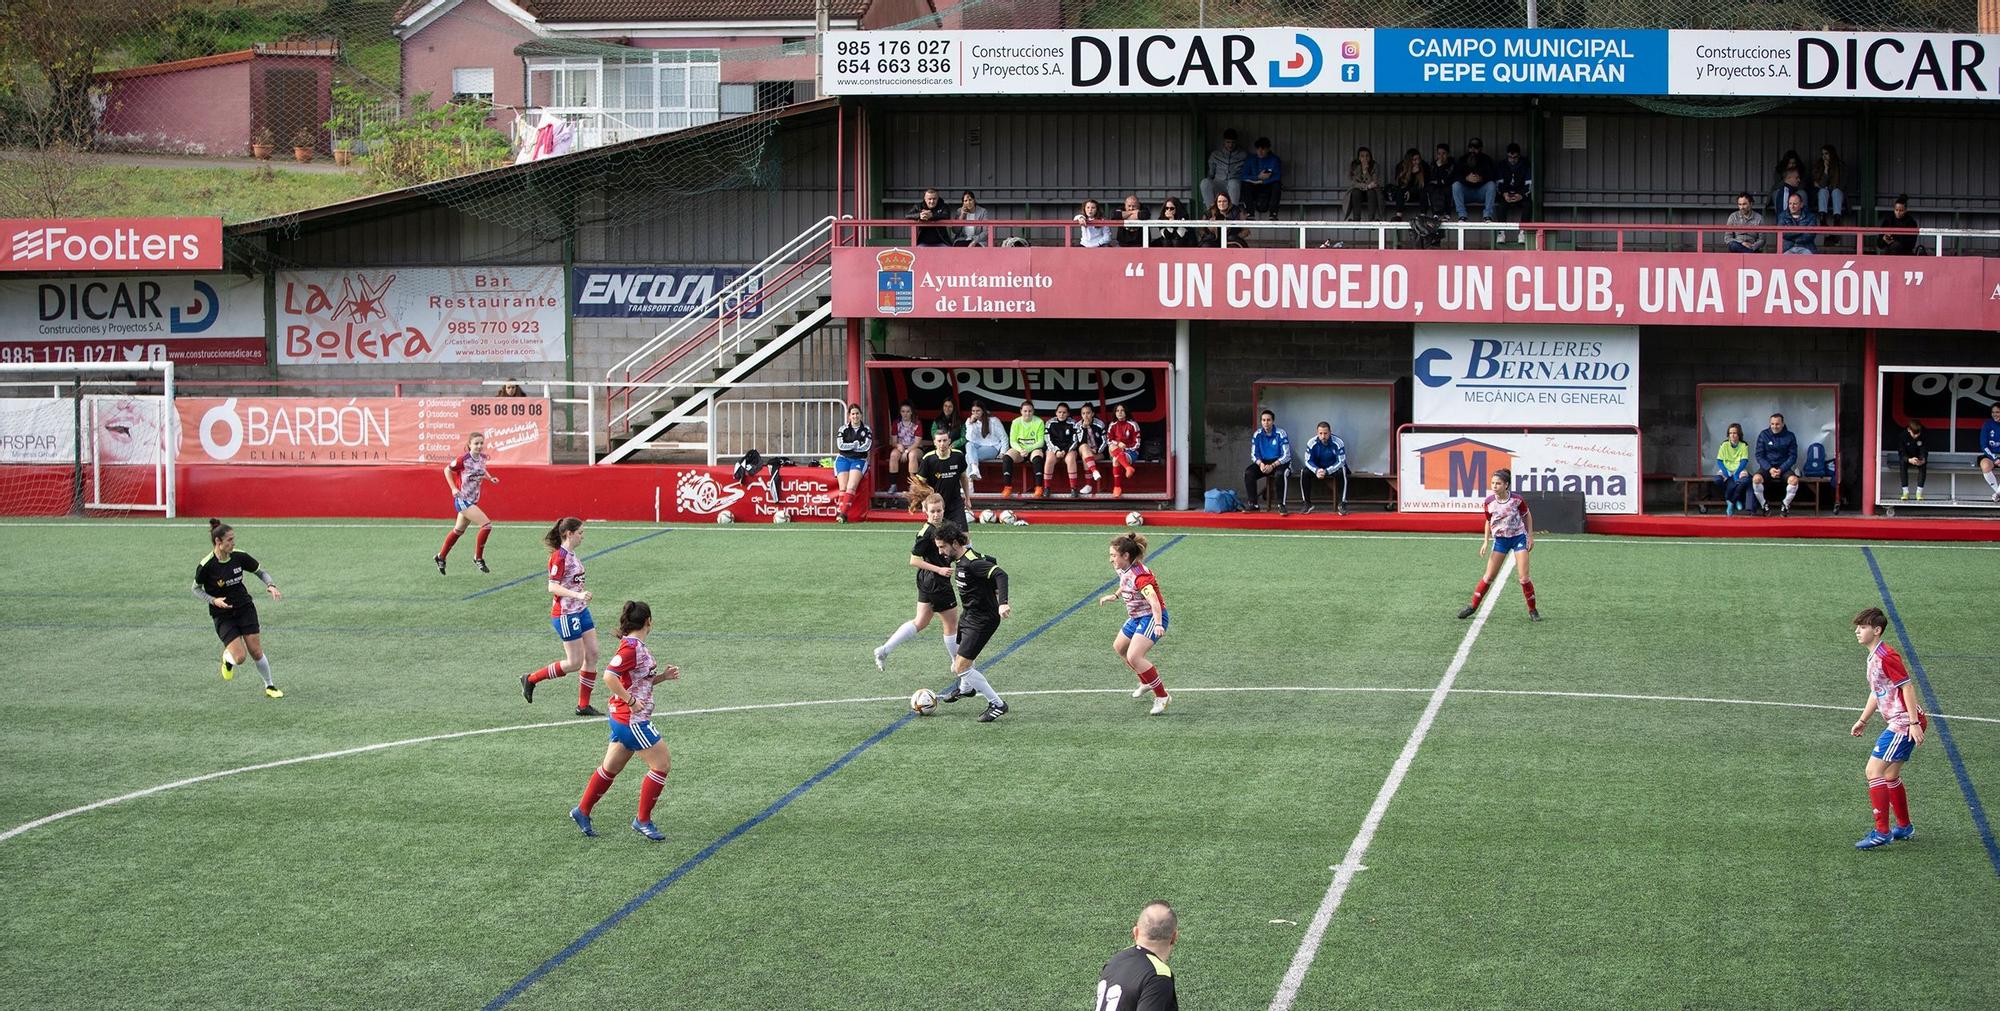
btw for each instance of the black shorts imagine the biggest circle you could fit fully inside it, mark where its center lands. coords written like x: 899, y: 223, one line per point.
x: 236, y: 623
x: 937, y: 594
x: 973, y: 634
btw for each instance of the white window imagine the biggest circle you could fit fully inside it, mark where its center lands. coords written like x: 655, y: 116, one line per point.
x: 472, y: 84
x: 632, y: 95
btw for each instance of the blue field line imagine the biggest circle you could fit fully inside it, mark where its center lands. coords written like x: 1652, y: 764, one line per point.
x: 576, y: 947
x: 1942, y: 725
x: 510, y: 584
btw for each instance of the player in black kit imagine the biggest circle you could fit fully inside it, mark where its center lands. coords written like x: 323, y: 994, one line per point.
x: 218, y: 582
x: 982, y: 596
x: 1137, y: 979
x: 934, y: 595
x: 942, y: 470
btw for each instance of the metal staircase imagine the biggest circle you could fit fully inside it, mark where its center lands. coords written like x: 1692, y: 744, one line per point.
x: 676, y: 377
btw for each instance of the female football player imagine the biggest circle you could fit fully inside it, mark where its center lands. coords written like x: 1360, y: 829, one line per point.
x: 853, y: 443
x: 1509, y: 528
x: 464, y: 476
x: 934, y: 596
x: 1121, y: 442
x: 1146, y: 619
x: 218, y: 581
x: 633, y: 675
x: 571, y: 616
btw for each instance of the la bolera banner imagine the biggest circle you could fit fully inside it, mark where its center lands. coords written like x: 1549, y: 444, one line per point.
x: 188, y: 319
x: 1390, y: 61
x: 1449, y: 471
x: 420, y: 315
x: 1540, y: 375
x: 1426, y: 286
x: 361, y: 430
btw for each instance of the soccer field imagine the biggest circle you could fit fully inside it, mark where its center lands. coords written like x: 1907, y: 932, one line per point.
x: 1648, y: 800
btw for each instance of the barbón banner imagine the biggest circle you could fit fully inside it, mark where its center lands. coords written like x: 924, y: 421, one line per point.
x: 1431, y: 286
x: 361, y: 430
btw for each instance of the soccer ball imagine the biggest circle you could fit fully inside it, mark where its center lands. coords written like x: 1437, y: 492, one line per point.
x: 725, y: 517
x: 986, y: 516
x: 1133, y: 519
x: 782, y: 516
x: 1007, y: 517
x: 923, y: 702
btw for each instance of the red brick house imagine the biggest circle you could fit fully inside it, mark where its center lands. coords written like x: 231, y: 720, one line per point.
x: 213, y: 105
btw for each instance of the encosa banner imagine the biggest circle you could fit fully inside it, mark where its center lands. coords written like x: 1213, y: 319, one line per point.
x: 1684, y: 289
x: 1834, y: 64
x: 111, y: 244
x: 190, y: 319
x: 1281, y: 61
x: 1449, y: 471
x: 1460, y: 61
x: 362, y: 430
x: 650, y: 292
x: 420, y: 315
x: 1517, y: 375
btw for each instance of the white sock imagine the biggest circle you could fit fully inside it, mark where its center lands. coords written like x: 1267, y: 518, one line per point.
x: 1906, y: 489
x: 904, y: 633
x: 1791, y: 492
x: 951, y: 647
x: 1758, y: 490
x: 264, y: 668
x: 977, y: 682
x: 1993, y: 479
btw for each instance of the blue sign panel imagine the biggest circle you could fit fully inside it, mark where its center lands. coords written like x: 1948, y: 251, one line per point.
x: 1476, y: 61
x: 657, y: 292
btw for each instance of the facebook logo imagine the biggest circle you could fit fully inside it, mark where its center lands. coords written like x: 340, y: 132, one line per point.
x: 1350, y: 72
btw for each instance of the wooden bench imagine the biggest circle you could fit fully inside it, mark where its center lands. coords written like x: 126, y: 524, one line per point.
x: 1689, y: 503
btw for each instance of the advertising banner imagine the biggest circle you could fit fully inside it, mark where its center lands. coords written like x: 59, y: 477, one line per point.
x: 1517, y: 375
x: 1249, y: 61
x: 361, y: 430
x: 1952, y: 406
x: 1690, y: 289
x: 700, y: 494
x: 189, y: 319
x: 1448, y: 471
x: 1834, y: 64
x: 111, y: 244
x: 420, y: 315
x: 1472, y: 61
x: 37, y: 430
x: 649, y: 292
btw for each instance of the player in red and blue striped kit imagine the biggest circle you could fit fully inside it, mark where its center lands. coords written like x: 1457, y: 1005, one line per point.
x: 570, y: 614
x: 633, y: 675
x: 464, y: 476
x: 1146, y: 618
x: 1510, y: 528
x: 1890, y: 691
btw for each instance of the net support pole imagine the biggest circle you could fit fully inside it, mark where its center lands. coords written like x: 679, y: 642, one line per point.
x: 170, y: 433
x: 77, y: 432
x: 1180, y: 412
x: 1870, y: 464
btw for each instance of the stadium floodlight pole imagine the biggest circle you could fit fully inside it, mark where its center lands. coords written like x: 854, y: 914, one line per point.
x: 1533, y: 14
x: 820, y: 24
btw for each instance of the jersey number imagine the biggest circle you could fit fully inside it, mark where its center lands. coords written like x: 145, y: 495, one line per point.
x: 575, y: 622
x: 1108, y: 996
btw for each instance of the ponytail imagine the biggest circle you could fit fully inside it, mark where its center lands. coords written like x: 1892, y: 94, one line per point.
x: 217, y: 530
x: 920, y: 491
x: 634, y: 616
x: 1132, y: 546
x: 563, y: 528
x: 1506, y: 477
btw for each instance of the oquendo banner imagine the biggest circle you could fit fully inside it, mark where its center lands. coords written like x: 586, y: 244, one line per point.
x: 1426, y: 286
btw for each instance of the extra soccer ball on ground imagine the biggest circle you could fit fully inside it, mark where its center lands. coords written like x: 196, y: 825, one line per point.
x: 923, y: 702
x: 987, y: 516
x: 1133, y: 519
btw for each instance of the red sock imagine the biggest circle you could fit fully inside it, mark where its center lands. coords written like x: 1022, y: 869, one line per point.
x: 1899, y: 801
x: 1117, y: 477
x: 1150, y: 677
x: 1479, y: 593
x: 1528, y: 591
x: 649, y: 792
x: 449, y: 540
x: 584, y: 687
x: 553, y: 670
x: 600, y: 781
x: 479, y: 546
x: 1878, y: 798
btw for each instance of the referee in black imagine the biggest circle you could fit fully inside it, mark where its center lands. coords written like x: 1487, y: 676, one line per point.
x: 943, y: 468
x: 1137, y: 979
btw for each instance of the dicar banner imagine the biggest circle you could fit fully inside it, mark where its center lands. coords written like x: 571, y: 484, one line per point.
x: 420, y: 315
x: 188, y: 319
x: 361, y: 430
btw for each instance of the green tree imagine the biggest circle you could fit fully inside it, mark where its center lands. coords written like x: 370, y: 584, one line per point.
x: 50, y: 48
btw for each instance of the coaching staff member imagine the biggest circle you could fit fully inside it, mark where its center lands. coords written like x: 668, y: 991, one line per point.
x: 1137, y: 979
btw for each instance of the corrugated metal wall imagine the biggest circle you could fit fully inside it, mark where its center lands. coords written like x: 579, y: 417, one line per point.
x: 432, y: 235
x: 1317, y: 146
x: 1631, y: 155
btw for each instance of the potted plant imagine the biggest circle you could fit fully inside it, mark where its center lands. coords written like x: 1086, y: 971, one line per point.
x: 303, y: 143
x: 262, y: 144
x: 343, y: 151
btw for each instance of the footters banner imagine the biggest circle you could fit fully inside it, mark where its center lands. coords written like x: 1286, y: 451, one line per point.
x: 361, y: 430
x: 1450, y: 471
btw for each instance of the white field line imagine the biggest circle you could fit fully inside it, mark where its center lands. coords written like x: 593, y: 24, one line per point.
x: 1350, y: 864
x: 1284, y: 689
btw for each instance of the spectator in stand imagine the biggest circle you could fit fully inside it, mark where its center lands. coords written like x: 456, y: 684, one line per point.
x: 974, y: 234
x: 1796, y: 216
x: 1915, y: 458
x: 1130, y: 234
x: 1788, y: 163
x: 1262, y: 185
x: 1325, y: 460
x: 950, y: 424
x: 1777, y: 457
x: 1792, y: 183
x: 1407, y: 192
x: 1225, y: 171
x: 1989, y: 452
x: 1174, y: 236
x: 1904, y: 244
x: 1829, y: 180
x: 1062, y: 444
x: 903, y: 437
x: 1222, y: 210
x: 1026, y: 438
x: 985, y: 438
x: 1364, y: 187
x: 1474, y: 178
x: 1095, y: 236
x: 1732, y: 471
x: 1514, y: 181
x: 511, y: 388
x: 1745, y: 216
x: 1270, y: 462
x: 932, y: 208
x: 1439, y: 176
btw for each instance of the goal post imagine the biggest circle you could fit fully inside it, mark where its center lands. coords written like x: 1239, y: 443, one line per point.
x: 87, y: 438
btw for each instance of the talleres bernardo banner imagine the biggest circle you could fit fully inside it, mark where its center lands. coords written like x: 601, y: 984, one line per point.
x: 1426, y: 286
x: 1543, y: 376
x: 362, y: 430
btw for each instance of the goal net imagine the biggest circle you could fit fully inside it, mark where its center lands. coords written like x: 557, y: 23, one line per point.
x: 87, y: 439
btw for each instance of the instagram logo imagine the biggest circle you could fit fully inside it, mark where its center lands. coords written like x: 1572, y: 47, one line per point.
x: 1350, y: 50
